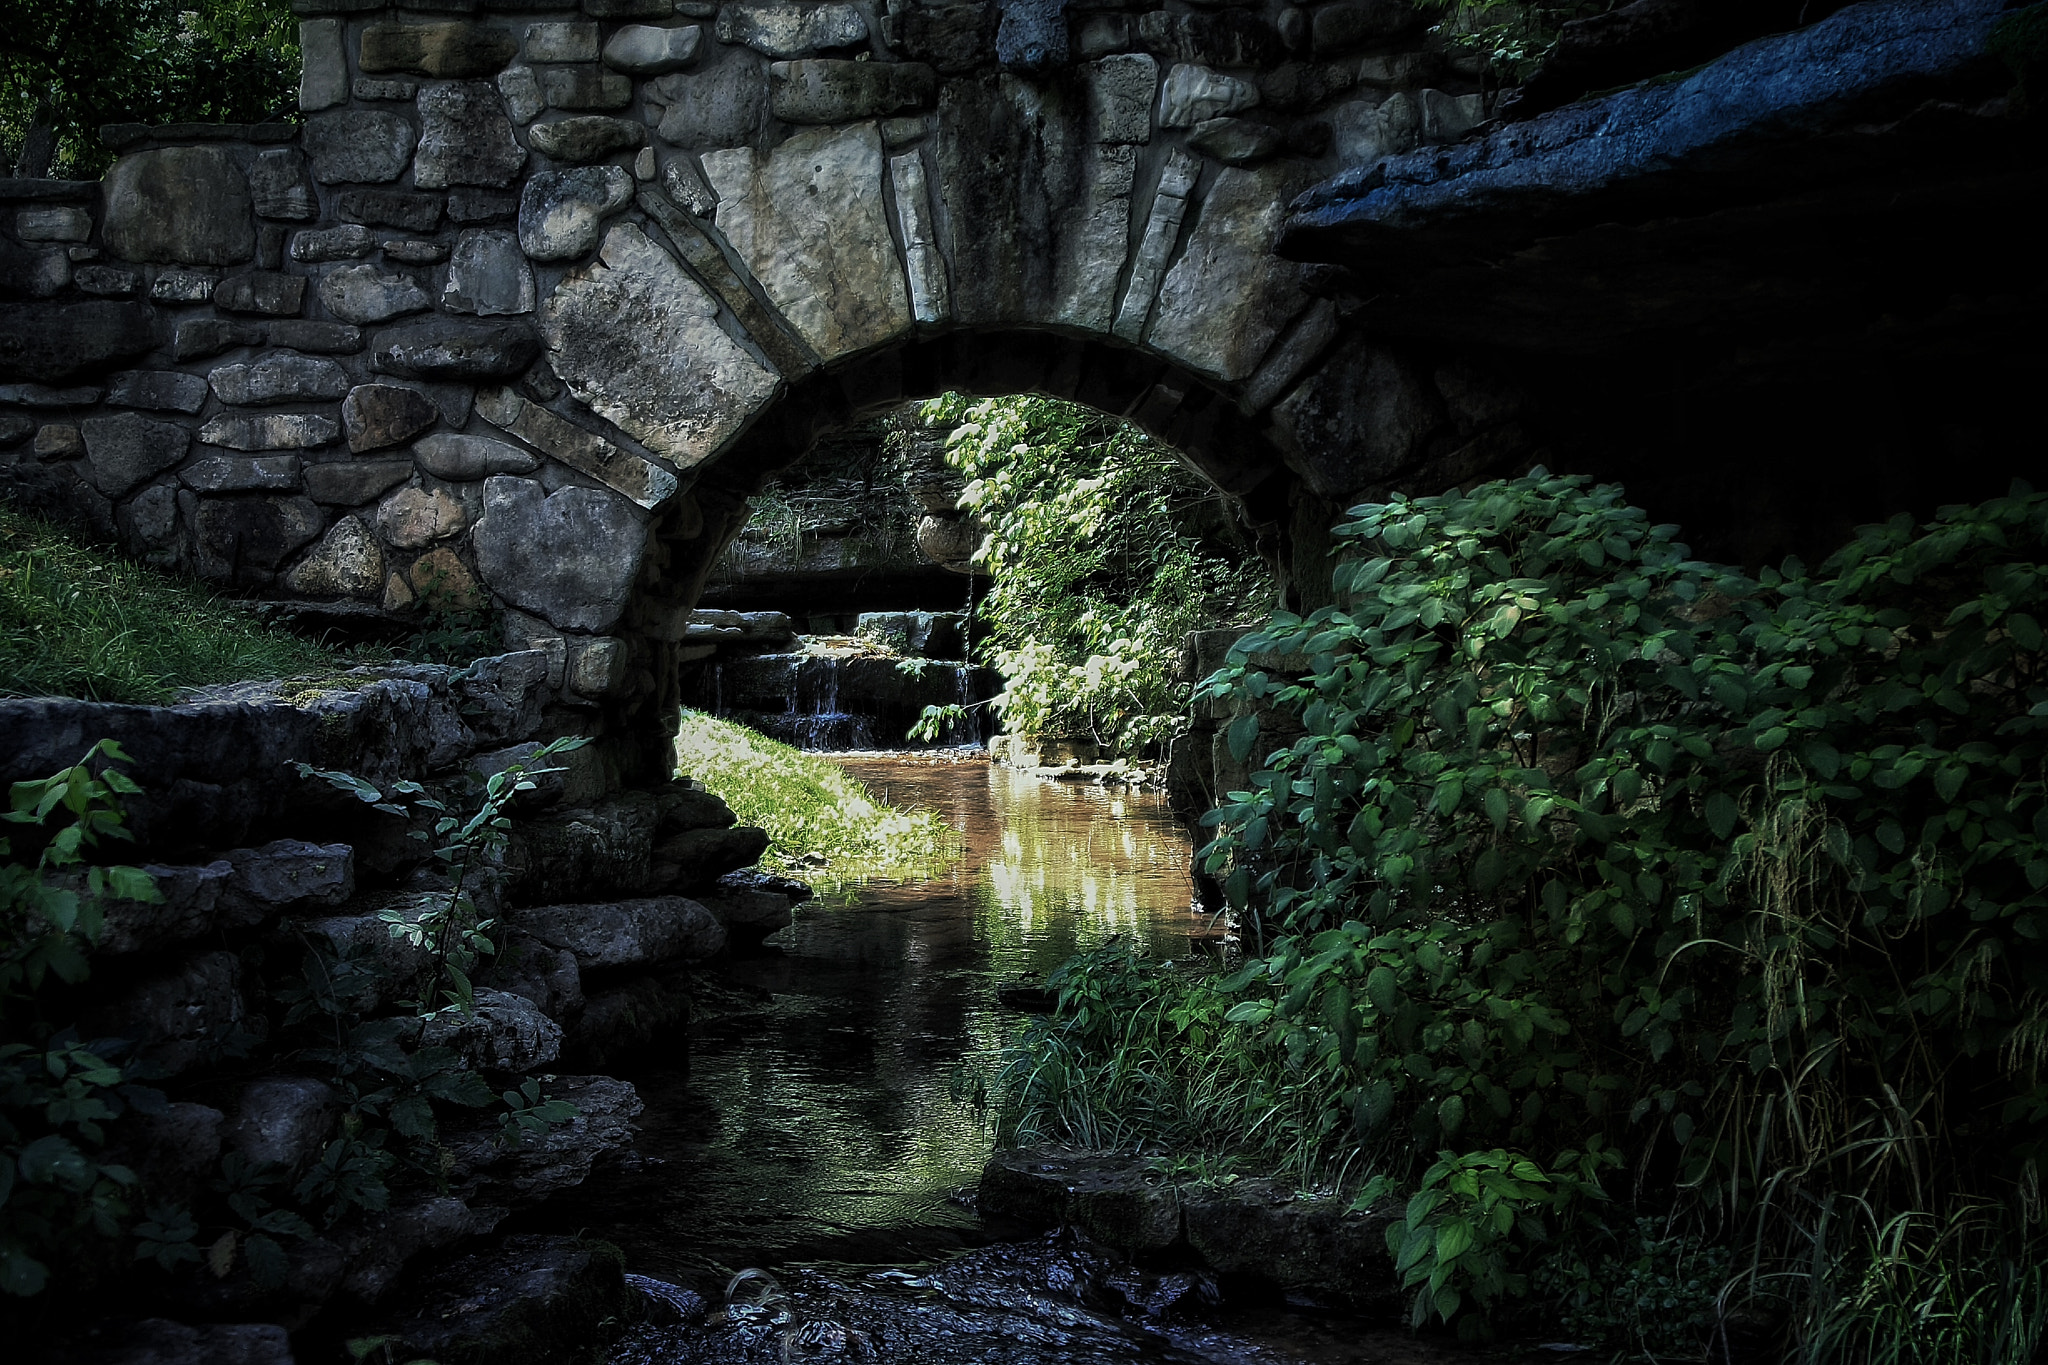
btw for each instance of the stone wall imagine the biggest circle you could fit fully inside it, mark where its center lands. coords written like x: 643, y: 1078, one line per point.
x: 535, y: 296
x: 603, y: 901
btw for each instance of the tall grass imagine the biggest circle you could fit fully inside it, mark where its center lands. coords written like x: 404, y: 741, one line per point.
x: 78, y: 622
x: 825, y: 827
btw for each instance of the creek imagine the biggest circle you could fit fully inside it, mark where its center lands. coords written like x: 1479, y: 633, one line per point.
x: 812, y: 1130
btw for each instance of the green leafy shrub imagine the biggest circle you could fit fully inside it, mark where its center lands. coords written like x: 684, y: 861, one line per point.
x: 1575, y: 840
x: 1106, y: 551
x: 58, y: 1092
x: 79, y: 622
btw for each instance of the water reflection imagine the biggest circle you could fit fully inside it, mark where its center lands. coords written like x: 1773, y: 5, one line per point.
x: 817, y: 1122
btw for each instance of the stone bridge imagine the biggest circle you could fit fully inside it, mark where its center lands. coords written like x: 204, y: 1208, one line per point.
x: 535, y: 297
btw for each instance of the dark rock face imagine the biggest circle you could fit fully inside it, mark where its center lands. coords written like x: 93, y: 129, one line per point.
x: 527, y: 1298
x: 52, y: 343
x: 184, y: 204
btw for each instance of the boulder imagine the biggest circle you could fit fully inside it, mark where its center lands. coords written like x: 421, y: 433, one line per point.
x: 175, y: 1151
x: 561, y: 213
x: 348, y: 561
x: 598, y: 849
x: 629, y: 933
x: 455, y: 351
x: 1228, y: 297
x: 1363, y: 417
x: 546, y: 975
x: 488, y: 275
x: 704, y: 855
x: 379, y: 415
x: 465, y: 138
x: 283, y: 1121
x: 178, y: 204
x: 357, y: 146
x: 125, y: 451
x: 485, y: 1171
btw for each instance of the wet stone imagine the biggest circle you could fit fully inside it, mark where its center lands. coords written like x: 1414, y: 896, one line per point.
x: 358, y: 146
x: 242, y: 474
x: 366, y: 293
x: 351, y: 483
x: 280, y: 377
x: 161, y: 390
x: 270, y: 431
x: 465, y: 138
x: 375, y: 416
x: 261, y: 291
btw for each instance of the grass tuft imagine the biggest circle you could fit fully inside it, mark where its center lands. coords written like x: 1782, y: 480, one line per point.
x: 80, y: 622
x: 826, y: 828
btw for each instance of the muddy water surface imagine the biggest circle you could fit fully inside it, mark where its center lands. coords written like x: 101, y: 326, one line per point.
x: 813, y: 1132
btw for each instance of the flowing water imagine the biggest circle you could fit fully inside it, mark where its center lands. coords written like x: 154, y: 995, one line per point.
x: 812, y: 1130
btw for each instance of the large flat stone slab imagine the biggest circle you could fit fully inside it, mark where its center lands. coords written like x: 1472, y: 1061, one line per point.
x: 808, y: 219
x: 637, y: 338
x: 578, y: 447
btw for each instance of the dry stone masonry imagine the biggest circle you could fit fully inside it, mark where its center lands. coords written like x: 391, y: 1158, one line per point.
x: 535, y: 295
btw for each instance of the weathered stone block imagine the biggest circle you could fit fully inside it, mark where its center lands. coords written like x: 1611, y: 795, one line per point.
x: 357, y: 146
x: 184, y: 204
x: 722, y: 107
x: 284, y: 1121
x: 161, y: 390
x: 414, y: 253
x: 584, y: 87
x: 506, y: 1033
x: 242, y: 474
x: 1236, y: 141
x: 375, y: 416
x: 520, y: 88
x: 451, y: 350
x: 391, y: 208
x: 181, y: 1013
x: 461, y: 459
x: 481, y: 206
x: 347, y: 483
x: 487, y: 275
x: 783, y: 30
x: 127, y: 450
x: 1032, y: 36
x: 279, y: 186
x: 196, y: 338
x: 278, y: 377
x: 465, y: 138
x: 1120, y: 93
x: 704, y: 855
x: 1228, y: 297
x: 578, y: 447
x: 271, y: 431
x: 258, y: 533
x: 370, y: 88
x: 323, y: 66
x: 52, y: 223
x: 641, y: 50
x: 821, y: 90
x: 321, y: 338
x: 366, y: 293
x: 560, y: 42
x: 414, y: 518
x: 347, y: 562
x: 1360, y: 419
x: 585, y: 137
x: 953, y: 39
x: 450, y: 50
x: 637, y: 338
x: 631, y: 933
x: 835, y: 277
x: 109, y: 281
x: 1346, y: 27
x: 261, y: 291
x: 570, y: 557
x: 442, y: 582
x: 562, y: 212
x: 1193, y: 94
x: 349, y: 242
